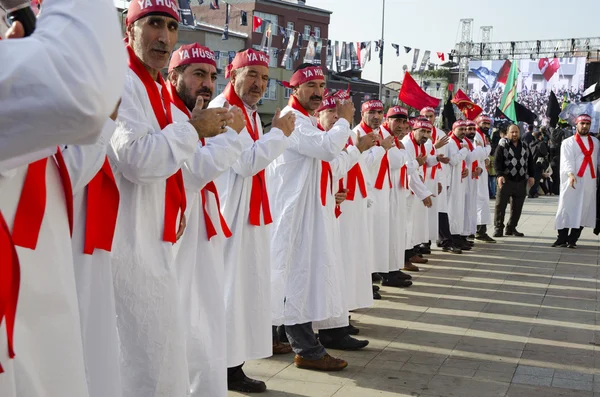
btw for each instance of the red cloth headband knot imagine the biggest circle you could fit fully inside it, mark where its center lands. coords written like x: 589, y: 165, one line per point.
x: 192, y: 53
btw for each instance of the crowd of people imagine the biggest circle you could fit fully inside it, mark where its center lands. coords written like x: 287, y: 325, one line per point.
x: 150, y: 245
x: 536, y: 101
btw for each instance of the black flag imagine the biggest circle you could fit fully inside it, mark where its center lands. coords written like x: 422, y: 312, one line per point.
x: 524, y: 114
x: 553, y: 109
x: 448, y: 114
x: 397, y: 48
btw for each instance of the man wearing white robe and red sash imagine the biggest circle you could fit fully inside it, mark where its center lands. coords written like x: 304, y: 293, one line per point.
x: 475, y: 163
x: 484, y: 215
x: 457, y: 152
x: 578, y: 173
x: 307, y: 275
x: 148, y: 151
x: 245, y: 205
x: 200, y: 251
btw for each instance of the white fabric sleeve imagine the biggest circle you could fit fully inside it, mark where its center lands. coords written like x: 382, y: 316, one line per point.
x: 457, y: 156
x: 568, y: 162
x: 310, y: 141
x: 84, y: 161
x: 344, y: 162
x: 257, y: 155
x: 418, y: 187
x: 143, y: 154
x: 211, y: 160
x: 397, y: 158
x: 60, y: 84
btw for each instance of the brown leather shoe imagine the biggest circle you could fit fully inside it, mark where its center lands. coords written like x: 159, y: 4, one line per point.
x: 410, y: 267
x: 418, y: 259
x: 326, y: 363
x: 281, y: 348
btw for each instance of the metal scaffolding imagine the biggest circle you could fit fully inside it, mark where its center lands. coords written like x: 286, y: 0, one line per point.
x: 466, y: 42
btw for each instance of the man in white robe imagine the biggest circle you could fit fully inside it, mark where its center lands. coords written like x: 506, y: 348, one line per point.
x: 475, y: 163
x: 306, y: 274
x: 458, y: 172
x: 199, y: 257
x: 245, y: 205
x: 578, y: 171
x: 148, y: 151
x: 484, y: 215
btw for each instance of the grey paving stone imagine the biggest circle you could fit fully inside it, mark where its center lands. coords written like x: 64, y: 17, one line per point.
x: 532, y: 380
x: 534, y: 371
x: 572, y: 384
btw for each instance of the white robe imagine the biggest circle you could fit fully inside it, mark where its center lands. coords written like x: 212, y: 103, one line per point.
x: 484, y: 215
x: 443, y: 177
x: 200, y: 265
x: 149, y: 316
x: 93, y: 276
x: 432, y: 180
x: 457, y: 187
x: 398, y: 211
x: 471, y: 194
x: 417, y: 225
x: 47, y: 336
x: 247, y: 264
x: 355, y: 255
x: 50, y: 90
x: 306, y: 274
x: 576, y: 207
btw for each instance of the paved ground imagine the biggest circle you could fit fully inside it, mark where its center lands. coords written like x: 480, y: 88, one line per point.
x: 516, y: 319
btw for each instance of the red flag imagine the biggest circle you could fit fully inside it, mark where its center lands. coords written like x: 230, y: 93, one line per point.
x: 503, y: 73
x: 412, y: 95
x: 549, y: 67
x: 464, y: 103
x: 256, y: 23
x: 442, y: 56
x: 450, y: 87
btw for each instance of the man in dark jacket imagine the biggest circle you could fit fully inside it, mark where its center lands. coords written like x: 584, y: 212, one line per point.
x: 539, y: 152
x: 514, y: 165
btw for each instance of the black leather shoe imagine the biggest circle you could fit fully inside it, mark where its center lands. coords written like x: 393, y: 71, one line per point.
x: 346, y: 343
x: 352, y: 330
x: 453, y: 250
x: 466, y: 247
x: 375, y: 288
x: 484, y: 238
x: 376, y: 296
x: 424, y: 249
x: 376, y: 277
x: 571, y: 245
x: 247, y: 385
x: 560, y: 244
x: 396, y: 282
x: 471, y: 237
x: 400, y: 275
x: 498, y: 233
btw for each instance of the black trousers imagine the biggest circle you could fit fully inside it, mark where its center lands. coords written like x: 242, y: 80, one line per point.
x: 537, y: 176
x: 514, y: 192
x: 569, y: 238
x: 444, y: 230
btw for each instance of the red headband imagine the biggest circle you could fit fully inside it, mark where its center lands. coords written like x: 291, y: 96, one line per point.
x: 249, y: 57
x: 397, y: 111
x: 459, y: 123
x: 484, y: 119
x: 420, y: 123
x: 304, y: 76
x: 470, y: 123
x: 583, y: 118
x: 140, y: 8
x: 192, y: 53
x: 427, y: 109
x: 374, y: 104
x: 327, y: 103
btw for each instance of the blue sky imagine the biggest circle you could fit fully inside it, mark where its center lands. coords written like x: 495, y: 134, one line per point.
x: 433, y: 25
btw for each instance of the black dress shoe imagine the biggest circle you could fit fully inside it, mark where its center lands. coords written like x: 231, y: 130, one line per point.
x: 400, y: 275
x: 471, y: 237
x: 498, y: 233
x: 571, y: 245
x: 454, y: 250
x: 376, y: 296
x: 376, y: 277
x: 485, y: 238
x: 346, y: 343
x: 396, y: 282
x: 514, y: 232
x: 375, y: 288
x: 466, y: 247
x: 247, y: 385
x: 424, y: 249
x: 352, y: 330
x: 560, y: 244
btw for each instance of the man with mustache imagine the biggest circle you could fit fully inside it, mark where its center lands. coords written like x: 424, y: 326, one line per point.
x: 356, y: 286
x: 457, y: 152
x: 245, y: 205
x: 578, y: 171
x: 475, y: 162
x: 200, y: 252
x: 484, y: 215
x: 307, y: 275
x: 148, y: 151
x: 417, y: 224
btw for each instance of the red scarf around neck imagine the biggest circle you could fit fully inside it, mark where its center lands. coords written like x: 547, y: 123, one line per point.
x: 384, y: 169
x: 422, y: 151
x: 10, y: 278
x: 259, y: 198
x: 587, y: 156
x: 475, y: 163
x: 458, y: 145
x: 210, y: 187
x: 326, y: 177
x: 433, y: 153
x: 355, y: 177
x: 175, y: 200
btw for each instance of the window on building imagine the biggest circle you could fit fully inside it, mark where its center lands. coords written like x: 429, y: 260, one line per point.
x: 288, y: 93
x: 317, y: 32
x: 220, y: 88
x: 267, y: 17
x: 223, y: 60
x: 271, y: 92
x: 307, y: 29
x: 289, y: 64
x: 273, y: 57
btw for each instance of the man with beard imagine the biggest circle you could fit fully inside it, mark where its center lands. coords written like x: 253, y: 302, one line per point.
x: 148, y: 151
x: 307, y: 274
x: 484, y: 215
x: 457, y: 190
x: 245, y: 205
x: 475, y: 161
x: 356, y: 285
x: 401, y: 166
x: 417, y: 224
x: 514, y: 165
x: 578, y: 168
x: 436, y: 182
x: 199, y: 256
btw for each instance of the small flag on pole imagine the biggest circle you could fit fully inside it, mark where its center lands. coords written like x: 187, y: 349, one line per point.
x: 397, y: 48
x: 441, y: 56
x: 257, y: 23
x: 407, y: 49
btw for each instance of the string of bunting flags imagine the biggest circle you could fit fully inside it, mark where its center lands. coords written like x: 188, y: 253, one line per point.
x: 340, y: 55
